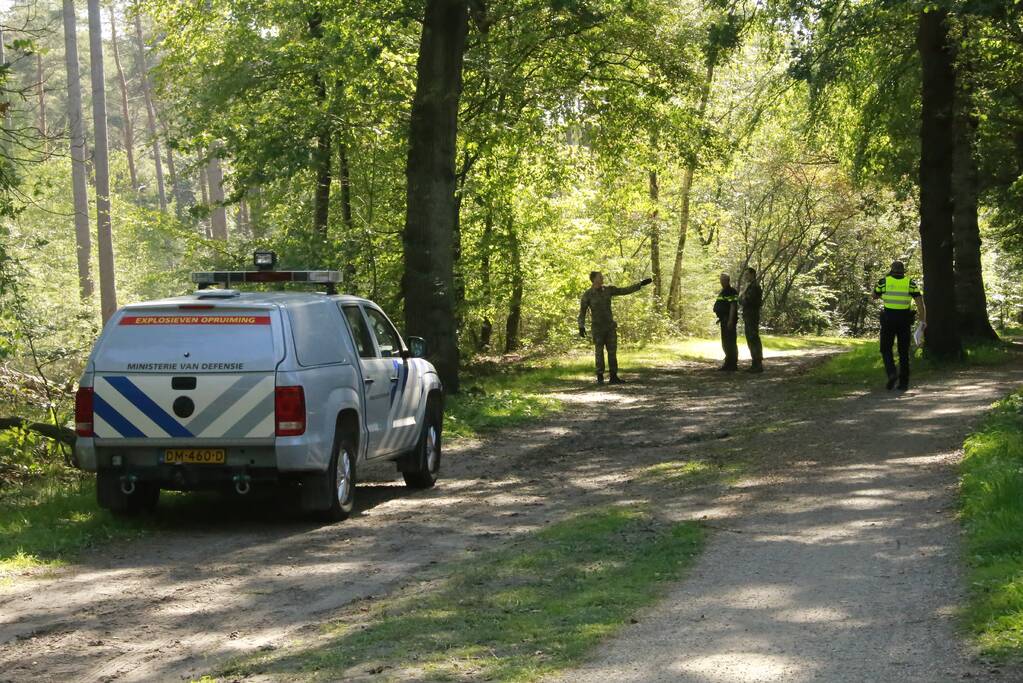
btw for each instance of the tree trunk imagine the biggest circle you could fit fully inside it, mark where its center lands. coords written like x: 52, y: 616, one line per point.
x: 675, y: 290
x: 126, y: 128
x: 322, y: 154
x: 218, y: 214
x: 256, y: 212
x: 147, y: 95
x: 513, y: 326
x: 655, y: 236
x: 971, y: 299
x: 936, y: 143
x: 41, y: 95
x: 487, y: 327
x: 79, y: 185
x: 107, y: 285
x: 3, y: 62
x: 345, y: 178
x: 428, y: 282
x: 204, y: 187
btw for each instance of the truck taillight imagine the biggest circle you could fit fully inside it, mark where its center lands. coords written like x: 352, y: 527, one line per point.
x: 83, y: 411
x: 289, y: 407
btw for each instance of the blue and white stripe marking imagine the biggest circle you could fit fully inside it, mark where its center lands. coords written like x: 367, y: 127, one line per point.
x: 226, y: 406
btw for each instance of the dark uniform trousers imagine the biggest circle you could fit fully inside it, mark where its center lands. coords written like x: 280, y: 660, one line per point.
x: 896, y: 325
x: 606, y: 339
x: 730, y: 344
x: 751, y: 325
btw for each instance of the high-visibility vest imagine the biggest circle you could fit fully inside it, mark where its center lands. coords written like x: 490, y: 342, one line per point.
x: 896, y: 295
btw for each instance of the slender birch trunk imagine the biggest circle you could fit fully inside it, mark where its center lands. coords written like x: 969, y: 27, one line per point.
x: 79, y: 173
x: 107, y: 284
x: 126, y: 128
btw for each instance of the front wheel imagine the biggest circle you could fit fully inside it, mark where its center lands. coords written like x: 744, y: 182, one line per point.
x: 426, y: 457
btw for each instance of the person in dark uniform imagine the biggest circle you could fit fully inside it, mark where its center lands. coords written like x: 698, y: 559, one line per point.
x: 597, y: 300
x: 898, y: 292
x: 726, y: 310
x: 751, y: 299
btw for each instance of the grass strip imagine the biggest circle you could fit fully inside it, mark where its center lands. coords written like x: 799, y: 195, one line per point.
x: 991, y: 503
x: 532, y: 608
x: 506, y: 395
x: 862, y: 368
x: 45, y: 524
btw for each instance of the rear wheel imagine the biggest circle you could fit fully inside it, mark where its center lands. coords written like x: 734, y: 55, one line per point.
x: 426, y: 457
x: 142, y: 496
x: 340, y: 478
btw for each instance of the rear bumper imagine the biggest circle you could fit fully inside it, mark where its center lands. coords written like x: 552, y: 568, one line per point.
x: 274, y: 455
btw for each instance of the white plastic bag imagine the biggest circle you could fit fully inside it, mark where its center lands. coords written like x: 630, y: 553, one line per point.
x: 918, y: 334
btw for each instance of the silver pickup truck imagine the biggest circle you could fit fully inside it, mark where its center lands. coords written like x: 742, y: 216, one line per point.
x: 224, y: 388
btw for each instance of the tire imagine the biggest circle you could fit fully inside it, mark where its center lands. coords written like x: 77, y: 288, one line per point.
x: 110, y: 496
x: 427, y: 455
x: 340, y: 480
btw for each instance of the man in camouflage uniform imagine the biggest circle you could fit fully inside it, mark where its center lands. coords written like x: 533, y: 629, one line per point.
x: 597, y: 299
x: 726, y: 310
x: 751, y: 299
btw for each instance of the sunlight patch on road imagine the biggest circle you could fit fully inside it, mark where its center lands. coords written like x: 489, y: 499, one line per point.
x: 744, y: 667
x: 819, y: 615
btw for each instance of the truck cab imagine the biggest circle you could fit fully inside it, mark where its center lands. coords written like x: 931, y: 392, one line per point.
x: 233, y: 389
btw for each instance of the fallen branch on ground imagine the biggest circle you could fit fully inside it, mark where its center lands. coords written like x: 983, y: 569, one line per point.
x: 58, y: 434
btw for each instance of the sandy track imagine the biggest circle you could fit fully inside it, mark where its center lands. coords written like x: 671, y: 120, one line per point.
x: 839, y: 563
x: 233, y: 577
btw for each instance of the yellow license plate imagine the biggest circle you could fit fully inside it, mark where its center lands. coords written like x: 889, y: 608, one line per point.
x: 194, y: 456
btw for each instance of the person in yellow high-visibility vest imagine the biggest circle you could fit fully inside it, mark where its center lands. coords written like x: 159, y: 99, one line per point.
x: 898, y: 292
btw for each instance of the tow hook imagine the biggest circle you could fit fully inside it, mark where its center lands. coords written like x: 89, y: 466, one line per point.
x: 128, y: 484
x: 242, y: 484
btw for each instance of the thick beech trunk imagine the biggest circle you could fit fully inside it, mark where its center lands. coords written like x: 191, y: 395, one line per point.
x: 428, y: 240
x: 971, y: 298
x: 79, y: 172
x: 936, y: 153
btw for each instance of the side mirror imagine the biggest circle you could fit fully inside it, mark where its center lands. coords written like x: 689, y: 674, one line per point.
x: 417, y: 347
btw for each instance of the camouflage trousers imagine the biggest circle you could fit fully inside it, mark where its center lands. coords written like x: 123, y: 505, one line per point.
x: 606, y: 339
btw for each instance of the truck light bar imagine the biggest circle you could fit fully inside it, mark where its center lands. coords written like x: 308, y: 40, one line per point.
x: 329, y: 278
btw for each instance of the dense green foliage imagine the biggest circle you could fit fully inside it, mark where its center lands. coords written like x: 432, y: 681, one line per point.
x: 671, y: 139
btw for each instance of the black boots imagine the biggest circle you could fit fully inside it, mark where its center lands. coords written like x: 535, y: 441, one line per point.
x: 615, y: 379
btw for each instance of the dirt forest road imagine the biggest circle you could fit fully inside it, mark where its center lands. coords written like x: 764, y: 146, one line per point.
x: 841, y: 548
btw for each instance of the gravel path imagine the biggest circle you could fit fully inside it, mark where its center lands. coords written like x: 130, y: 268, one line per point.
x: 847, y: 555
x: 839, y: 563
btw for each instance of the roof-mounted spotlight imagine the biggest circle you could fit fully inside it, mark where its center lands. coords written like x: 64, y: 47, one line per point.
x: 265, y: 259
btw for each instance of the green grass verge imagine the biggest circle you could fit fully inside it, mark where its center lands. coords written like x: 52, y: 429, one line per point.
x: 991, y: 500
x: 530, y: 609
x: 504, y: 396
x: 862, y: 368
x: 45, y: 524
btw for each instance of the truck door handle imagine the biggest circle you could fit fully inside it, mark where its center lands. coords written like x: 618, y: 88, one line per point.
x: 368, y: 380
